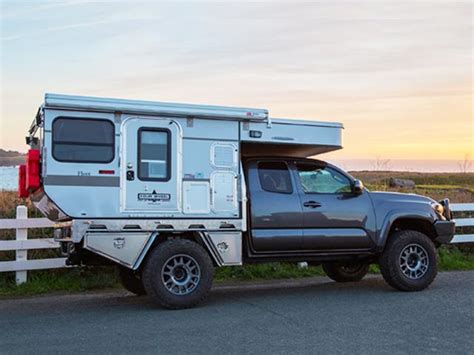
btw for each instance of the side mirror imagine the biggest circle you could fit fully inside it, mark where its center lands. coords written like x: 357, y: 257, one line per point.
x: 357, y: 187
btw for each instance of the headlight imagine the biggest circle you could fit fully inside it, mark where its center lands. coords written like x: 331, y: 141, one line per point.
x: 438, y: 207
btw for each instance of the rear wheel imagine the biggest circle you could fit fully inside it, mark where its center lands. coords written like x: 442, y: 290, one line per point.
x: 409, y: 261
x: 130, y: 281
x: 346, y: 272
x: 178, y: 274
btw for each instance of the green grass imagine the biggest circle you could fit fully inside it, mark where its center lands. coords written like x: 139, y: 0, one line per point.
x: 445, y: 187
x: 266, y: 272
x: 451, y: 258
x: 63, y: 281
x: 94, y: 278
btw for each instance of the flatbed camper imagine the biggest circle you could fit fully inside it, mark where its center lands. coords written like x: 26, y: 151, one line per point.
x: 169, y: 191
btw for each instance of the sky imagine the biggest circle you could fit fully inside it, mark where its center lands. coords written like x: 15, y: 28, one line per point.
x: 397, y: 74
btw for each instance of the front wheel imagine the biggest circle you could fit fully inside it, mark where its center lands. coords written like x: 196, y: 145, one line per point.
x: 409, y: 261
x: 178, y: 274
x: 346, y: 272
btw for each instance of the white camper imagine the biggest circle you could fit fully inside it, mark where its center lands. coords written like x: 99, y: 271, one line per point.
x: 118, y: 176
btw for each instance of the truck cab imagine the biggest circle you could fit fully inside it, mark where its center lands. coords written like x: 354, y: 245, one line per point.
x: 307, y: 206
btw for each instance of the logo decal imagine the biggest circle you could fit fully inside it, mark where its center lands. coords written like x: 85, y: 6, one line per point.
x: 119, y: 242
x: 153, y: 197
x: 223, y: 247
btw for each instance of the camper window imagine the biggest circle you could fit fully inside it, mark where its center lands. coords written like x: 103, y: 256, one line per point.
x: 83, y: 140
x: 154, y: 154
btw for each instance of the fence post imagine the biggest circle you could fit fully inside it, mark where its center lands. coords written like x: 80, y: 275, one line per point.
x: 21, y: 234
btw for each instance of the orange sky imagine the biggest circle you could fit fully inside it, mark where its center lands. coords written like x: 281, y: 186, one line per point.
x: 397, y: 74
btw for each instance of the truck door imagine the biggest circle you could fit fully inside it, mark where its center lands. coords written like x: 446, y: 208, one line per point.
x: 334, y: 218
x: 150, y: 150
x: 275, y: 210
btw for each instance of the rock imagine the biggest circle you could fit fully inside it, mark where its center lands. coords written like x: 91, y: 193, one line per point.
x: 393, y: 182
x: 302, y: 265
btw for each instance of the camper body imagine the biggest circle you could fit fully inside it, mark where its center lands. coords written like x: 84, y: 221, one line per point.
x: 168, y: 191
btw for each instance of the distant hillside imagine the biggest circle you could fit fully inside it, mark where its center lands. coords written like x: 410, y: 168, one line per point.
x: 11, y: 158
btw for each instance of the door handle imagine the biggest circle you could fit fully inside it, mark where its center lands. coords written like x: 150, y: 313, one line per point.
x: 130, y: 175
x: 312, y: 204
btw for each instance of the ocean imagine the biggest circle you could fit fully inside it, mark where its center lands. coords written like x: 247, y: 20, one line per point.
x: 8, y: 178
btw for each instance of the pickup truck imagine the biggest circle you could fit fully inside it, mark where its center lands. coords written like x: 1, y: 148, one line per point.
x: 309, y: 210
x: 170, y: 191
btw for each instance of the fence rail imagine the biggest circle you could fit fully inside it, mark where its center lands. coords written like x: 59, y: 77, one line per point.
x: 22, y: 244
x: 463, y: 222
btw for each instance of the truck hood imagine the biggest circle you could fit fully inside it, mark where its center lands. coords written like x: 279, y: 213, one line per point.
x: 381, y: 196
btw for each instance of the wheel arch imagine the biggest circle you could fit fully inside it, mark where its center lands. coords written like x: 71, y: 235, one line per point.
x: 160, y: 237
x: 417, y: 221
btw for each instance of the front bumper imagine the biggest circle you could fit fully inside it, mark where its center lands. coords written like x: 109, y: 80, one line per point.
x: 444, y: 231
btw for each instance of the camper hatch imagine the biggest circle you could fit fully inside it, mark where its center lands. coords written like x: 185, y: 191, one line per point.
x: 170, y: 191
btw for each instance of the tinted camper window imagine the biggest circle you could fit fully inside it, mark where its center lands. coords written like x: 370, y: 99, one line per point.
x: 83, y: 140
x: 154, y: 154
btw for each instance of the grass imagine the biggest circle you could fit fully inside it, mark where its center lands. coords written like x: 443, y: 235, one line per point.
x: 266, y: 271
x: 452, y: 258
x: 457, y: 187
x: 64, y: 280
x: 105, y: 277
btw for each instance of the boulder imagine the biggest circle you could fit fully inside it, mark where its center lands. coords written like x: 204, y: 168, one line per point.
x: 393, y: 182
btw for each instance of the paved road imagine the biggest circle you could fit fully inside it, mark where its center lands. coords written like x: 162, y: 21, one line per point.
x: 309, y: 316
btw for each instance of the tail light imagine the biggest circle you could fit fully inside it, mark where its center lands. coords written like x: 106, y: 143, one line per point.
x: 33, y: 170
x: 22, y: 191
x: 29, y: 174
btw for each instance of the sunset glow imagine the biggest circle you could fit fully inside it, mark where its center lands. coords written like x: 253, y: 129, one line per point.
x: 398, y: 75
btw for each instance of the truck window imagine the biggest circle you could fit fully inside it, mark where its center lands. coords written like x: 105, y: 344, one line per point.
x: 323, y: 180
x: 275, y: 177
x: 154, y: 154
x: 83, y: 140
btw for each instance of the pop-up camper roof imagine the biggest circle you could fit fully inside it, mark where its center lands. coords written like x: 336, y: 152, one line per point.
x: 259, y: 133
x: 152, y: 107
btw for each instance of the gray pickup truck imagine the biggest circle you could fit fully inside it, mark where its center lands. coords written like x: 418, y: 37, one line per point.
x: 302, y: 209
x: 170, y: 191
x: 309, y: 210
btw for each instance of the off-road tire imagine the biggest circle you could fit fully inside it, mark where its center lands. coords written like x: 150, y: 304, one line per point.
x: 155, y: 264
x: 130, y: 281
x: 346, y: 272
x: 391, y: 260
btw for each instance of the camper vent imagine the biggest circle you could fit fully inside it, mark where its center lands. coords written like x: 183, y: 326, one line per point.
x: 225, y: 225
x: 164, y: 226
x: 197, y: 226
x: 97, y: 226
x: 131, y: 226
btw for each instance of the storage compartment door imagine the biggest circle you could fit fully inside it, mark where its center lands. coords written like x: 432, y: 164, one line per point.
x: 150, y: 166
x: 196, y: 197
x: 224, y: 192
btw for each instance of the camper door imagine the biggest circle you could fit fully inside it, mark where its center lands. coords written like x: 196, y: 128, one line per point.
x: 150, y: 167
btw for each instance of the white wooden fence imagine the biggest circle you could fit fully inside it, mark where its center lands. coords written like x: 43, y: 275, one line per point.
x: 22, y: 244
x: 463, y: 222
